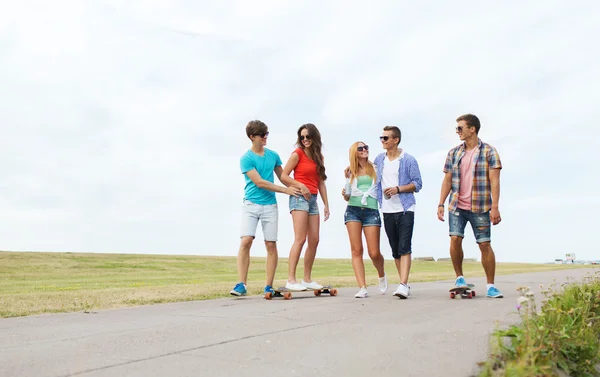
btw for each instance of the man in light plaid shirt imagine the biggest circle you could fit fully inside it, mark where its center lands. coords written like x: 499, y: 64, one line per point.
x: 472, y: 178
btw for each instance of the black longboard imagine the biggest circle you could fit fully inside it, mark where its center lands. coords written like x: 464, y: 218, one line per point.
x: 464, y: 292
x: 287, y: 293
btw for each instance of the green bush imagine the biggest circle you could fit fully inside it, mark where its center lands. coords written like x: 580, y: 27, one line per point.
x: 563, y: 335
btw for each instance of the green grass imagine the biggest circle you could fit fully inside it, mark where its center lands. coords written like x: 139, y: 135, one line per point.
x: 35, y: 283
x: 563, y: 336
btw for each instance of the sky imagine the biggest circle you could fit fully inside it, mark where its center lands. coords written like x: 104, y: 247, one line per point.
x: 122, y: 123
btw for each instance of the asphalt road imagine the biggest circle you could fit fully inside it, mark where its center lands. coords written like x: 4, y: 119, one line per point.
x: 427, y: 335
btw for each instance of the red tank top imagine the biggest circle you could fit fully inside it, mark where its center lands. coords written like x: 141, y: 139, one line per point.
x: 306, y: 172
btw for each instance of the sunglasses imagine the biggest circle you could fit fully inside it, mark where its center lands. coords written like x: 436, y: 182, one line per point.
x: 262, y: 135
x: 302, y: 137
x: 461, y: 128
x: 384, y: 138
x: 363, y: 148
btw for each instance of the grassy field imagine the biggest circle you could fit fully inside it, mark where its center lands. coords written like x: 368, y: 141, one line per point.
x: 34, y: 283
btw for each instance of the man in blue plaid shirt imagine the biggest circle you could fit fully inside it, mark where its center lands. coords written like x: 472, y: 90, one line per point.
x: 398, y: 179
x: 472, y: 179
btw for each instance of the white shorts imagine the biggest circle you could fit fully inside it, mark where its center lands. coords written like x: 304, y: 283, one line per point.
x: 268, y: 216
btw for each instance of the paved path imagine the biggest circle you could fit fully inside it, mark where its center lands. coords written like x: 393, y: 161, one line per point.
x: 426, y: 335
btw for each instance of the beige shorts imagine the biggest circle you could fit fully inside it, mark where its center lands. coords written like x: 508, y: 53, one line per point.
x: 268, y: 215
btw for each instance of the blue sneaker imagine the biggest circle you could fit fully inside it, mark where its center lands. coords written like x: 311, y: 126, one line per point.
x: 239, y: 290
x: 268, y: 288
x: 494, y: 293
x: 461, y: 283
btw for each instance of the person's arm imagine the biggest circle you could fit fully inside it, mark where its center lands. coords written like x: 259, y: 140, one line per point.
x: 493, y: 159
x: 289, y: 181
x: 264, y: 184
x: 495, y: 183
x: 323, y: 193
x: 444, y: 192
x: 416, y: 182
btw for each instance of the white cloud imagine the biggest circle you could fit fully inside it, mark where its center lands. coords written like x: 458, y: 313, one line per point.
x: 123, y: 123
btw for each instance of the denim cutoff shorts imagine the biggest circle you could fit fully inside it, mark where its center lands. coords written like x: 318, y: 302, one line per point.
x: 480, y: 224
x: 366, y: 216
x: 298, y: 203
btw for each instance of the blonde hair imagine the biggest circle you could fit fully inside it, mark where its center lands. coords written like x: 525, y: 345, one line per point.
x: 354, y: 166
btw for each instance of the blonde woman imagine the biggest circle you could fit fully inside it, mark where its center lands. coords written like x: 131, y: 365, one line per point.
x: 362, y: 216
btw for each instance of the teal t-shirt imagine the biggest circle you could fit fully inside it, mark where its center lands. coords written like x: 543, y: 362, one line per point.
x: 363, y: 183
x: 264, y: 165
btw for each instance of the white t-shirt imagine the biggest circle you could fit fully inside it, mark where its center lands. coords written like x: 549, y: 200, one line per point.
x: 389, y: 178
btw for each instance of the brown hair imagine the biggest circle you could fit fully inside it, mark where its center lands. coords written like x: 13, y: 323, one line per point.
x: 471, y: 120
x: 255, y: 127
x: 395, y: 132
x: 315, y: 147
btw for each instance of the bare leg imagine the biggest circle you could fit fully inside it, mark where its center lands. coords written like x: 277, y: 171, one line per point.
x: 311, y: 249
x: 300, y: 219
x: 373, y: 234
x: 354, y: 234
x: 272, y: 259
x: 488, y: 260
x: 243, y: 260
x: 404, y: 268
x: 457, y: 255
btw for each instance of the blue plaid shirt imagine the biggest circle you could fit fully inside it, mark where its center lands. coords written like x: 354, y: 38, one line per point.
x: 408, y: 173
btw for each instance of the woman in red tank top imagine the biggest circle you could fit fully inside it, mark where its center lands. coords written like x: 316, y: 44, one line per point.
x: 306, y: 162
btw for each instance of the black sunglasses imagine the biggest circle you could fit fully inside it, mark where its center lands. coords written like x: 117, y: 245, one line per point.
x: 384, y: 138
x: 302, y: 137
x: 262, y: 135
x: 460, y: 128
x: 360, y: 149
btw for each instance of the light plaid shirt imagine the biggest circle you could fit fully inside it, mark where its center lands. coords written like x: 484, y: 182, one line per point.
x: 488, y: 158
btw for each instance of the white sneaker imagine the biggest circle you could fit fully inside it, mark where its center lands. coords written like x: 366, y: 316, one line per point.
x: 295, y: 286
x: 403, y: 291
x: 383, y: 285
x: 362, y: 293
x: 311, y: 285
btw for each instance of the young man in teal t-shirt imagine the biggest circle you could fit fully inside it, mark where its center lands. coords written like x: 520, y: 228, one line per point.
x: 258, y: 165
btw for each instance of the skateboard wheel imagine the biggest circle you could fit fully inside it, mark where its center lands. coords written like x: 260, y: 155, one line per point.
x: 470, y: 295
x: 333, y: 292
x: 269, y: 295
x: 287, y: 295
x: 452, y: 295
x: 473, y: 293
x: 317, y: 293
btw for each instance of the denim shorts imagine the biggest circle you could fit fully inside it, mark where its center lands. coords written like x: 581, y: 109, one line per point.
x: 480, y: 223
x: 366, y: 216
x: 268, y: 215
x: 298, y: 203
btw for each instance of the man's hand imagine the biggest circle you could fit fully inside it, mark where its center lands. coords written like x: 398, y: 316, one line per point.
x: 441, y: 213
x: 292, y: 191
x: 326, y: 213
x: 391, y: 191
x: 495, y: 216
x: 305, y: 192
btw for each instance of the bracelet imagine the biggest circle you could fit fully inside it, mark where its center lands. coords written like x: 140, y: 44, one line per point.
x: 440, y: 205
x: 398, y: 187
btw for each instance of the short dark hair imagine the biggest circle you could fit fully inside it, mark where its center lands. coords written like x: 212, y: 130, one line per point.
x: 471, y: 120
x: 255, y: 127
x: 395, y: 132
